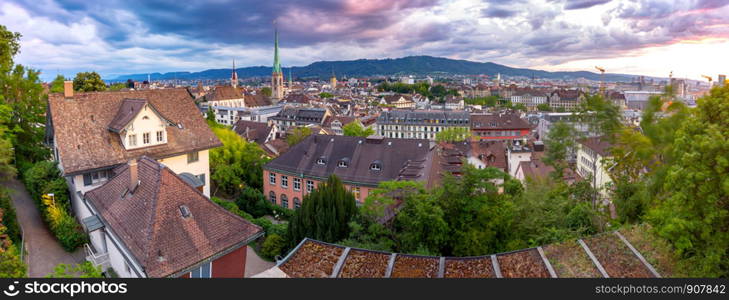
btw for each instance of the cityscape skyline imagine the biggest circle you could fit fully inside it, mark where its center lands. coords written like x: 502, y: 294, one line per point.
x: 630, y: 37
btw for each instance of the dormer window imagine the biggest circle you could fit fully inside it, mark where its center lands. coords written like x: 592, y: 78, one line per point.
x: 160, y: 136
x: 343, y: 163
x: 321, y: 161
x: 376, y: 165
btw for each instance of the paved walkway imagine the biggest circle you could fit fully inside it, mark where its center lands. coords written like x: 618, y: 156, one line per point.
x: 255, y: 264
x: 43, y: 250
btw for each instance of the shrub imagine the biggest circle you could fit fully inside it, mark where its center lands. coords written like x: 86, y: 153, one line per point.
x: 10, y: 264
x: 253, y: 202
x: 68, y: 232
x: 44, y: 178
x: 8, y: 217
x: 84, y: 270
x: 273, y: 246
x: 232, y: 207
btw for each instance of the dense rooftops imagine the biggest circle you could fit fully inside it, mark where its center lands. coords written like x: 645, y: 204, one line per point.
x: 498, y: 121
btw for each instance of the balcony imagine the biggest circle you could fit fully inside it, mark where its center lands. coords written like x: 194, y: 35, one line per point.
x: 98, y: 259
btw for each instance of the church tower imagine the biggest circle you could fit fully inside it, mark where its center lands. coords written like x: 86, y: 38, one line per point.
x: 234, y: 77
x: 277, y: 85
x: 333, y: 81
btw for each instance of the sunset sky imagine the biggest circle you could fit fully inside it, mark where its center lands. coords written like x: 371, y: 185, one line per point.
x: 648, y: 37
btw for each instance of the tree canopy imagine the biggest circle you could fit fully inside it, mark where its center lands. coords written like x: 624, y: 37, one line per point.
x: 356, y: 129
x: 453, y: 134
x: 88, y: 82
x: 297, y: 135
x: 325, y: 213
x: 236, y: 164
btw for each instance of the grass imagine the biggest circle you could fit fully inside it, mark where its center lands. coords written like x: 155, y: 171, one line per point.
x: 570, y: 260
x: 657, y: 251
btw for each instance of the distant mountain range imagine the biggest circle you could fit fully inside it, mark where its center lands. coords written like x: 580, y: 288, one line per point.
x: 411, y: 65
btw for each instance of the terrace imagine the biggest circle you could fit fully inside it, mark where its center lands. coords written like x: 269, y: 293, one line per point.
x: 604, y: 255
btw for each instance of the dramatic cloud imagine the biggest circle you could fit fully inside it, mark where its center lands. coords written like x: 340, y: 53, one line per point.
x: 117, y: 37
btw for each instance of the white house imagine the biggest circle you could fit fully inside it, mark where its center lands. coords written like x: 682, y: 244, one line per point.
x: 93, y: 133
x: 591, y: 153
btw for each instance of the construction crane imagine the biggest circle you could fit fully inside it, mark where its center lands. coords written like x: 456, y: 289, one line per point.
x: 602, y: 79
x: 708, y: 78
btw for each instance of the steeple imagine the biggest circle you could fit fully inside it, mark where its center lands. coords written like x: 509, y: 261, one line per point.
x: 234, y: 76
x: 277, y: 80
x: 291, y: 78
x: 276, y: 61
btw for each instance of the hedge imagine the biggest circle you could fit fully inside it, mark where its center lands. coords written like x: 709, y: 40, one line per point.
x: 44, y: 178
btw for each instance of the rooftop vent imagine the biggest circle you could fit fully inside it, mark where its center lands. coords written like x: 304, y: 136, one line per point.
x: 185, y: 211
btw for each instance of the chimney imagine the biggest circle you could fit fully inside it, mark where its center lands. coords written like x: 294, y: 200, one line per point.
x: 133, y: 175
x: 68, y: 89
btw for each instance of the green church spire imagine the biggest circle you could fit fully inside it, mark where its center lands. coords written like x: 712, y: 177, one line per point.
x: 276, y: 61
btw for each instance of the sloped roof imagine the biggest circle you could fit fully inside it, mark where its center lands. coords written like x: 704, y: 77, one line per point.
x: 253, y: 131
x: 225, y: 92
x: 498, y: 121
x: 598, y: 144
x: 400, y: 158
x: 150, y: 224
x: 126, y: 113
x: 84, y: 141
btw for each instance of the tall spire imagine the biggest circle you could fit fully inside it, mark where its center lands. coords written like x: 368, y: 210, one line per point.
x: 291, y: 78
x: 234, y: 76
x: 276, y: 62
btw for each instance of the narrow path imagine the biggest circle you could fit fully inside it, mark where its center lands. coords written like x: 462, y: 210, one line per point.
x: 43, y: 250
x: 255, y: 264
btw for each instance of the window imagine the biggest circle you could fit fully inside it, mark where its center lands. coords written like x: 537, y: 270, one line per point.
x: 375, y: 167
x: 193, y: 157
x: 297, y: 203
x: 145, y: 138
x: 284, y: 182
x: 204, y: 271
x: 356, y: 192
x: 95, y: 177
x: 284, y: 201
x: 297, y: 184
x: 321, y: 161
x: 272, y: 197
x: 132, y: 140
x: 272, y: 178
x: 160, y: 136
x: 309, y: 186
x: 342, y: 164
x: 201, y: 177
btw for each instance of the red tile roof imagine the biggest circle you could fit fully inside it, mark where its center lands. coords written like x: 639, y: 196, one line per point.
x: 150, y: 223
x: 81, y: 127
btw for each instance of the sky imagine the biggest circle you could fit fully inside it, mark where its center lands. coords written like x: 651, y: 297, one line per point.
x: 114, y: 37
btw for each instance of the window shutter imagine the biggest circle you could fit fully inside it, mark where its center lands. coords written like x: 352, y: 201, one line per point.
x: 87, y: 179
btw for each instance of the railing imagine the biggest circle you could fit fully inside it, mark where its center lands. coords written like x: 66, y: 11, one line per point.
x: 97, y: 259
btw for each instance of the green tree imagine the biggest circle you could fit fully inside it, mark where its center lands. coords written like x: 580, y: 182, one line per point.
x: 520, y: 106
x: 7, y: 155
x: 10, y: 264
x: 236, y: 164
x: 88, y: 82
x: 57, y: 84
x: 544, y: 107
x: 297, y: 135
x: 273, y: 246
x: 421, y: 225
x: 22, y: 93
x: 266, y: 91
x: 324, y: 214
x: 601, y: 115
x: 117, y: 86
x: 551, y: 211
x: 356, y: 129
x: 489, y: 101
x: 693, y: 212
x: 558, y: 144
x: 83, y: 270
x: 253, y: 202
x: 325, y: 95
x: 210, y: 115
x: 454, y: 134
